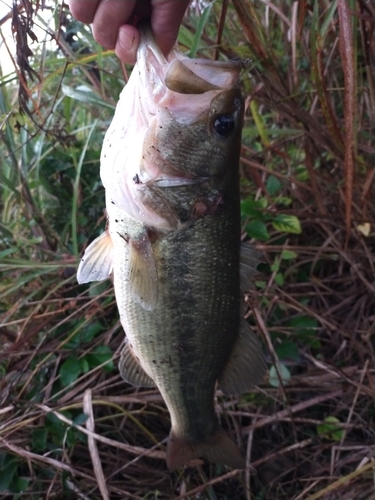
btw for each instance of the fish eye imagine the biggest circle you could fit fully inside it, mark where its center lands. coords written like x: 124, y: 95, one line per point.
x: 224, y: 125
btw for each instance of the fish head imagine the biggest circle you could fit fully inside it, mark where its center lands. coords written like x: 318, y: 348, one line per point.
x: 171, y: 152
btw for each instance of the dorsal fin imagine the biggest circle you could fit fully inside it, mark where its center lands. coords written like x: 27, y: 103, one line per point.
x: 246, y: 366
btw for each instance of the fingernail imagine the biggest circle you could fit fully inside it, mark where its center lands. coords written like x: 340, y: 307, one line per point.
x: 125, y: 41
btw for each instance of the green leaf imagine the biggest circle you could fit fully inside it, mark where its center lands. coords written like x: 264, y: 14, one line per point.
x: 88, y: 333
x: 273, y: 185
x: 86, y: 95
x: 260, y: 122
x: 283, y: 200
x: 258, y: 230
x: 251, y: 133
x: 101, y: 354
x: 53, y: 420
x: 85, y: 367
x: 306, y: 327
x: 185, y: 37
x: 39, y: 439
x: 287, y: 350
x: 279, y: 279
x: 199, y: 30
x: 80, y: 419
x: 288, y: 255
x: 261, y: 284
x: 302, y: 173
x: 70, y: 370
x: 287, y: 224
x: 7, y: 252
x: 304, y: 324
x: 275, y: 266
x: 253, y: 208
x: 19, y: 484
x: 70, y: 436
x: 8, y: 472
x: 83, y: 333
x: 98, y: 287
x: 273, y: 378
x: 329, y: 429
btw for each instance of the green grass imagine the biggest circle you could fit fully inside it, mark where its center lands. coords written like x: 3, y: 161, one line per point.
x: 69, y: 426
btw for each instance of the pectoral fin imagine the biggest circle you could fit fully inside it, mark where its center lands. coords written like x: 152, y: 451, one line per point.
x: 246, y: 366
x: 131, y: 370
x: 143, y: 277
x: 97, y: 261
x: 249, y: 261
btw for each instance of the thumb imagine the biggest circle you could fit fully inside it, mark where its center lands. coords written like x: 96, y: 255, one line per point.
x: 166, y: 19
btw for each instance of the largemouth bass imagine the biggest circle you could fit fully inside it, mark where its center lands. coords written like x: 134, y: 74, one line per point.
x: 169, y: 165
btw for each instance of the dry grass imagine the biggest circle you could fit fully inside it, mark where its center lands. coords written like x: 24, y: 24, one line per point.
x: 309, y: 125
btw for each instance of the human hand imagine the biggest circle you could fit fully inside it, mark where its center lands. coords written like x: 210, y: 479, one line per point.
x: 112, y: 22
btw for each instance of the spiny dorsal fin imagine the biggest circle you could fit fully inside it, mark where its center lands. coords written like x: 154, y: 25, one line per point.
x: 97, y: 261
x: 131, y: 370
x: 143, y: 277
x: 246, y: 366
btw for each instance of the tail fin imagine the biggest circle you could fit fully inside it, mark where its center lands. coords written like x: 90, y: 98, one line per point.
x: 218, y: 448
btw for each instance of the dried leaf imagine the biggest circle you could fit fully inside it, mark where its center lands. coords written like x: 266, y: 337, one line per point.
x: 364, y: 228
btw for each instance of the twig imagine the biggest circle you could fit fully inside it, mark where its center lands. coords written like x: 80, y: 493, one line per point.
x: 342, y: 481
x: 90, y: 424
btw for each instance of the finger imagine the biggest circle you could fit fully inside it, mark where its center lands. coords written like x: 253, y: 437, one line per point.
x: 166, y: 18
x: 127, y: 43
x: 83, y: 10
x: 109, y: 16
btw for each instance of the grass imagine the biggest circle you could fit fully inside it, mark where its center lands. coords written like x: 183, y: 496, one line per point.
x: 69, y: 426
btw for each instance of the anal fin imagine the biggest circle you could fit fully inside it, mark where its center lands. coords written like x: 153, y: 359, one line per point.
x: 131, y: 370
x: 143, y: 277
x: 97, y: 261
x: 246, y: 366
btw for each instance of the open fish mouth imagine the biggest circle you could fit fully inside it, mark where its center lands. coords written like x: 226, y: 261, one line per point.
x: 163, y: 77
x: 165, y: 98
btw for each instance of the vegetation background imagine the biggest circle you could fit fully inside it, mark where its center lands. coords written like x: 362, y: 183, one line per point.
x: 69, y: 426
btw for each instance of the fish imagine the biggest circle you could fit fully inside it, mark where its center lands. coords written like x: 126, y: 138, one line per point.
x: 170, y: 169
